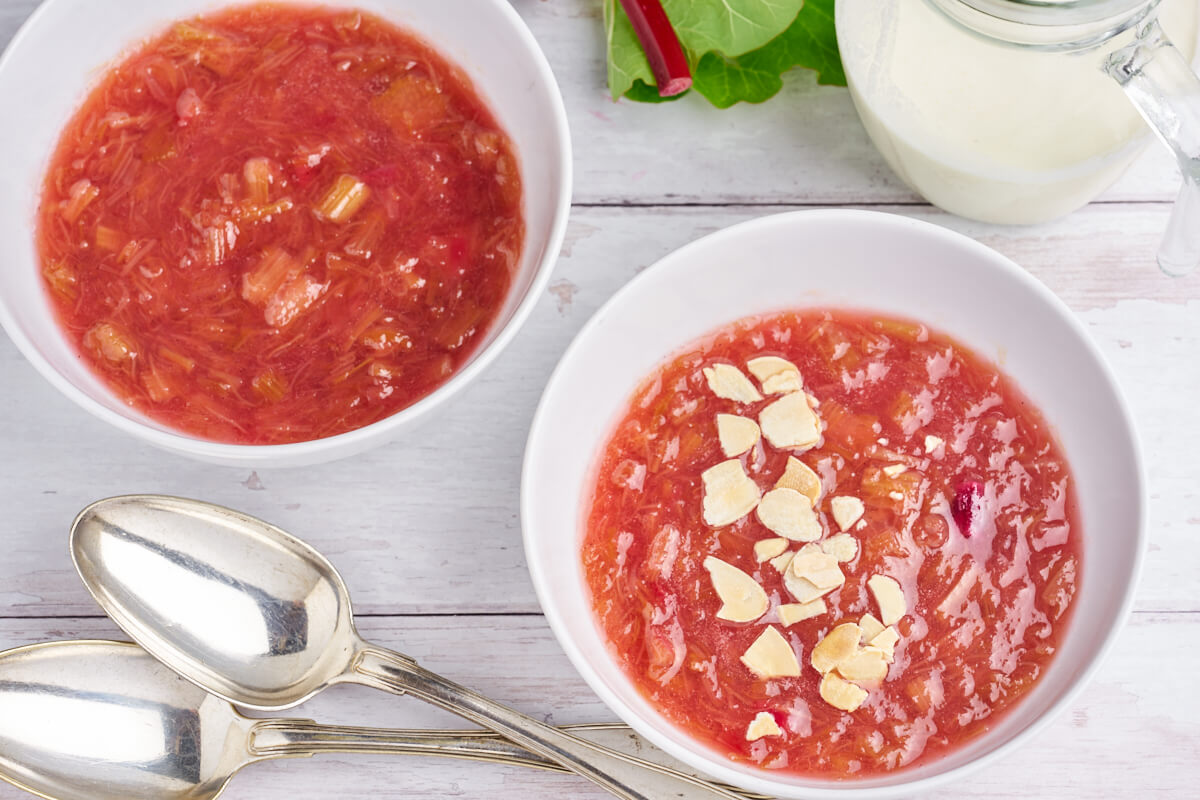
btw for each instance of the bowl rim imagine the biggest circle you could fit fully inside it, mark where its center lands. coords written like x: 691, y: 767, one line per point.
x: 722, y: 769
x: 382, y: 431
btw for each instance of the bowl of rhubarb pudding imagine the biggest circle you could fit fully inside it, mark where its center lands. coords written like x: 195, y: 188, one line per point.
x: 834, y: 504
x: 275, y: 233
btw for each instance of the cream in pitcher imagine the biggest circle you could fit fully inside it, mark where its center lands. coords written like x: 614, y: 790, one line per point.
x: 986, y: 128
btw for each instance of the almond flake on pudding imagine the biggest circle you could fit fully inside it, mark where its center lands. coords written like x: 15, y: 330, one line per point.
x: 846, y: 511
x: 893, y: 470
x: 737, y: 434
x: 800, y: 477
x: 791, y: 613
x: 841, y: 694
x: 841, y: 546
x: 867, y: 665
x: 789, y: 423
x: 804, y: 590
x: 777, y: 375
x: 932, y: 443
x: 790, y: 514
x: 769, y: 549
x: 782, y: 383
x: 730, y: 383
x: 763, y: 724
x: 782, y: 561
x: 771, y: 656
x: 817, y: 567
x: 871, y: 627
x: 838, y: 645
x: 742, y: 599
x: 889, y: 596
x: 729, y: 494
x: 885, y: 642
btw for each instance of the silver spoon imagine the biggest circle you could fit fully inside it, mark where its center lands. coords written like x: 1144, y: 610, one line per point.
x: 242, y: 609
x: 92, y: 720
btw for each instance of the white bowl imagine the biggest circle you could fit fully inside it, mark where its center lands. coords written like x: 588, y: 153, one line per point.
x: 64, y: 47
x: 860, y: 260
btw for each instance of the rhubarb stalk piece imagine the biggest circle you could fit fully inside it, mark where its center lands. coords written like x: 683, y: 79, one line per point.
x: 667, y: 59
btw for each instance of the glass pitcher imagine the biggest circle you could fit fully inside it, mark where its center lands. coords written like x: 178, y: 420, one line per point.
x: 1018, y: 111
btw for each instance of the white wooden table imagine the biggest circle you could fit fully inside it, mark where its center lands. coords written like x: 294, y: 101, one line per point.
x: 395, y: 522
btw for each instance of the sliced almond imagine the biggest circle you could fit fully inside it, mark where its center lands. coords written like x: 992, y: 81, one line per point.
x: 791, y: 613
x: 763, y: 724
x: 729, y: 494
x: 838, y: 645
x: 866, y: 666
x: 933, y: 443
x: 800, y: 477
x: 804, y: 590
x: 777, y: 375
x: 782, y: 383
x: 782, y: 561
x: 768, y: 549
x: 841, y: 546
x: 789, y: 422
x: 790, y: 514
x: 742, y: 599
x: 737, y: 434
x: 889, y: 597
x: 892, y: 470
x: 885, y: 642
x: 771, y: 656
x: 841, y: 694
x: 846, y: 511
x: 818, y: 567
x: 730, y: 383
x: 871, y: 627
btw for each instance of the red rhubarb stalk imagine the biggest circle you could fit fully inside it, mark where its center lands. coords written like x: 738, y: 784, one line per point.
x: 667, y: 59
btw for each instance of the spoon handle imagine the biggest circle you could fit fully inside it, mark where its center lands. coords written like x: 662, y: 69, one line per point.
x: 288, y: 738
x: 622, y: 775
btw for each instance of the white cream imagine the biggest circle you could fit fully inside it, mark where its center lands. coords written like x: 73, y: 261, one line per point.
x: 985, y: 130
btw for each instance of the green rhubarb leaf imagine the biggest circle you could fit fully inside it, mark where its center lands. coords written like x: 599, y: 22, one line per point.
x: 809, y: 42
x: 731, y: 27
x: 812, y: 41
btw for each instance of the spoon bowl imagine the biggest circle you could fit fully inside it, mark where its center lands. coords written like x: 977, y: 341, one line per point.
x: 104, y: 721
x: 215, y: 610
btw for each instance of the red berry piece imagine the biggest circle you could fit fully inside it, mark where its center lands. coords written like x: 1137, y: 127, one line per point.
x: 968, y: 498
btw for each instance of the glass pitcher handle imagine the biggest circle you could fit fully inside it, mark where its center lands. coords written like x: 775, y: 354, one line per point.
x: 1166, y: 91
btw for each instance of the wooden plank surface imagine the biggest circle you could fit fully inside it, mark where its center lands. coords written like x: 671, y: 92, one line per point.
x: 409, y: 524
x: 1132, y: 734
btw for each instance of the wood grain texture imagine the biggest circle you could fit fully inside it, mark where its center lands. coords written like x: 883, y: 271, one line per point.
x: 1131, y: 734
x: 410, y: 524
